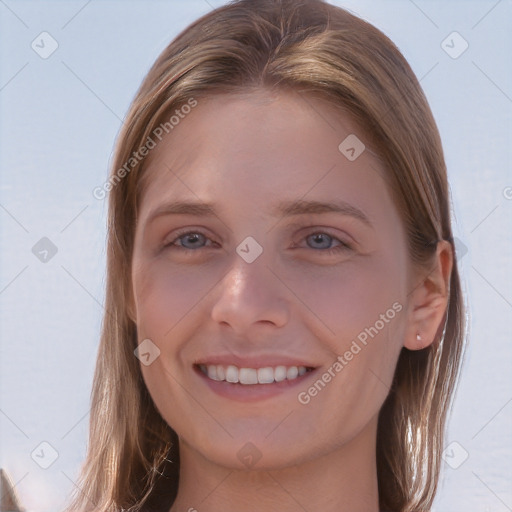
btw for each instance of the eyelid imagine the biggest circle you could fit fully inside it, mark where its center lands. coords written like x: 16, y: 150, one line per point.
x: 343, y: 245
x: 171, y: 239
x: 344, y: 238
x: 310, y: 230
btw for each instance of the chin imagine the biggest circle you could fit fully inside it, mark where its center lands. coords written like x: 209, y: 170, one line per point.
x: 259, y: 451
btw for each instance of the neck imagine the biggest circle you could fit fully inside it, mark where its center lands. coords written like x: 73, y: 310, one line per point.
x: 343, y: 480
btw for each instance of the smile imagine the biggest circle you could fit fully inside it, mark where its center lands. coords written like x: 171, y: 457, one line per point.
x: 251, y: 376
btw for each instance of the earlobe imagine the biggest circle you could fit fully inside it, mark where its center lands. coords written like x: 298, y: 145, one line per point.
x: 429, y: 301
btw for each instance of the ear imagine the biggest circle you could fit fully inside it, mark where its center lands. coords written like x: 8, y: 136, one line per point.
x: 428, y: 301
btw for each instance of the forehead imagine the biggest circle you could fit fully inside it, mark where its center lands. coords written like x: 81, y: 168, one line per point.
x: 260, y: 146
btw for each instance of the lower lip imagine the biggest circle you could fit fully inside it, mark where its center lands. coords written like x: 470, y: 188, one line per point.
x: 252, y: 392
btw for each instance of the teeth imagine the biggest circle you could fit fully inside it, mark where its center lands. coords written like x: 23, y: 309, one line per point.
x: 212, y: 372
x: 280, y: 373
x: 247, y: 376
x: 292, y: 372
x: 232, y: 374
x: 266, y: 375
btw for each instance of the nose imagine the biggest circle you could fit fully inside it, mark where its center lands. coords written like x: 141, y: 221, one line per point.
x: 250, y: 296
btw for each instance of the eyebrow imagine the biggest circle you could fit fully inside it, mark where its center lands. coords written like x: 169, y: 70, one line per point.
x: 282, y: 209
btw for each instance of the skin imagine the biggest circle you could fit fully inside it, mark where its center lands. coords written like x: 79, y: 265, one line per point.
x: 247, y: 153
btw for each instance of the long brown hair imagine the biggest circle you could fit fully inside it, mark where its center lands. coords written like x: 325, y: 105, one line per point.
x: 316, y: 49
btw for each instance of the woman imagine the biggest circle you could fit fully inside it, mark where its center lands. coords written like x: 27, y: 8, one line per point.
x: 242, y: 366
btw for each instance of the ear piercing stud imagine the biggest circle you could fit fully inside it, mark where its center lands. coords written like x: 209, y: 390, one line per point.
x: 418, y: 337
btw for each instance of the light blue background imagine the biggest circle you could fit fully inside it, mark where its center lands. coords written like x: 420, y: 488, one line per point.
x: 59, y: 120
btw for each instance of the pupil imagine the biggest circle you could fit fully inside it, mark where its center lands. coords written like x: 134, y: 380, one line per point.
x: 318, y: 238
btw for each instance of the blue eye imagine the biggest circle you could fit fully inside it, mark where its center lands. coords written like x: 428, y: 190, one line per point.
x: 317, y: 236
x: 191, y: 241
x: 190, y: 237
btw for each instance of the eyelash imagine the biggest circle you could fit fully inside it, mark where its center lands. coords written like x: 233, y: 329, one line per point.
x: 180, y: 234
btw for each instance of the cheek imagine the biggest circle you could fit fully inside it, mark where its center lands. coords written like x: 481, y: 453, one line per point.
x: 166, y: 301
x: 348, y: 300
x: 164, y: 296
x: 363, y: 308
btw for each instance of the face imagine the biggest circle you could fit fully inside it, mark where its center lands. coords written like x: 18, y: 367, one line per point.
x: 293, y: 281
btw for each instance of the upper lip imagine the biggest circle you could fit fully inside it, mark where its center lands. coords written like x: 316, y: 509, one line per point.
x: 254, y: 361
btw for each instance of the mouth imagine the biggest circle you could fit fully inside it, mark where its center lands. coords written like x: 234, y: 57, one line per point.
x: 251, y: 384
x: 252, y: 376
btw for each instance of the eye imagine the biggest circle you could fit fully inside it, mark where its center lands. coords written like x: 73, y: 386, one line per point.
x: 325, y: 240
x: 189, y: 241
